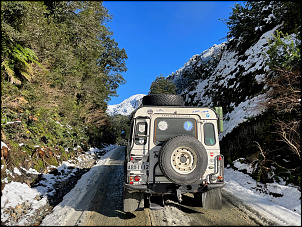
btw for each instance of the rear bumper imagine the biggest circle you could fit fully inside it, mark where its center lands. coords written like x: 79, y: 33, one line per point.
x: 132, y: 187
x: 170, y: 188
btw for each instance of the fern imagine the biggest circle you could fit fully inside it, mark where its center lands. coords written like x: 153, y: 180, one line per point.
x: 18, y: 66
x: 9, y: 71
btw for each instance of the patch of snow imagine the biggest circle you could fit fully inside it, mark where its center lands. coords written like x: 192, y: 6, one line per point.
x: 241, y: 165
x: 283, y: 210
x: 12, y: 122
x: 31, y: 170
x: 16, y: 193
x: 245, y: 110
x: 17, y: 171
x: 3, y: 145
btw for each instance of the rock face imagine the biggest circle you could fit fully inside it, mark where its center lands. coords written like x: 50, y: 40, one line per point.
x: 127, y: 106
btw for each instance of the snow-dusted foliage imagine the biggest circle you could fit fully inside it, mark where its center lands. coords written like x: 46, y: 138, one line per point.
x: 199, y: 66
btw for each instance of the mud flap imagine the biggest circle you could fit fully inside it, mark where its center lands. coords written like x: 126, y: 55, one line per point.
x: 212, y: 199
x: 156, y: 202
x: 133, y: 201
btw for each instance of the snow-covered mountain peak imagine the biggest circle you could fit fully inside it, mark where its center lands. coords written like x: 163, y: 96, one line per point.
x: 127, y: 106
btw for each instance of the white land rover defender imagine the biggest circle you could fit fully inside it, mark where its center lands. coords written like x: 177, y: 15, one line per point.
x: 173, y: 149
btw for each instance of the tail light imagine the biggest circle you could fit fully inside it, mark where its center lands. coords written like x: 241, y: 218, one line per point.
x: 132, y: 179
x: 137, y: 178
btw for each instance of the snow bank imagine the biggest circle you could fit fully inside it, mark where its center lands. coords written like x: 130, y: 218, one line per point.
x: 16, y: 193
x: 65, y: 209
x: 279, y: 203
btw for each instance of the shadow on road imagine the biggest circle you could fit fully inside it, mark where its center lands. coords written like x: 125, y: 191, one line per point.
x: 185, y: 205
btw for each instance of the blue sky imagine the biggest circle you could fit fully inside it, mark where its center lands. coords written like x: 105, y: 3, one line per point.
x: 161, y: 36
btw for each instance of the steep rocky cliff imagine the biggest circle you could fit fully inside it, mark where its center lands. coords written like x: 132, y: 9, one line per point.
x: 222, y: 76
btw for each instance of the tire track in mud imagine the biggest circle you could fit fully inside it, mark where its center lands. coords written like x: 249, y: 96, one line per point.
x: 169, y: 216
x: 189, y: 213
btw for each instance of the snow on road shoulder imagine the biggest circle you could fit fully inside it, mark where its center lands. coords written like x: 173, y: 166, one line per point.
x: 65, y: 209
x: 282, y: 210
x: 27, y: 205
x: 16, y: 193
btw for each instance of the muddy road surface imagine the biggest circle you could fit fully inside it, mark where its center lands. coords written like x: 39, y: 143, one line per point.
x: 103, y: 206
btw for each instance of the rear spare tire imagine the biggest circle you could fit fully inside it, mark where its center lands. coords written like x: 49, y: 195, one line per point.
x: 163, y: 100
x: 183, y: 159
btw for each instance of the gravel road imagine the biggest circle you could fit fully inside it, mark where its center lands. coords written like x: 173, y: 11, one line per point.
x: 103, y: 206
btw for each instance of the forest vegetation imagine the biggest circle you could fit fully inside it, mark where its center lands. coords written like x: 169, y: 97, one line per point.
x: 59, y: 67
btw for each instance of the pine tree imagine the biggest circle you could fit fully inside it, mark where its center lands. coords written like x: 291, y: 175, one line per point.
x: 250, y: 20
x: 161, y: 85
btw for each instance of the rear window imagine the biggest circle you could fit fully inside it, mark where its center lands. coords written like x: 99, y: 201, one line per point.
x: 166, y: 128
x: 209, y: 134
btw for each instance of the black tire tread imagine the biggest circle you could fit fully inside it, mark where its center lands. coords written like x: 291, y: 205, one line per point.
x: 163, y: 100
